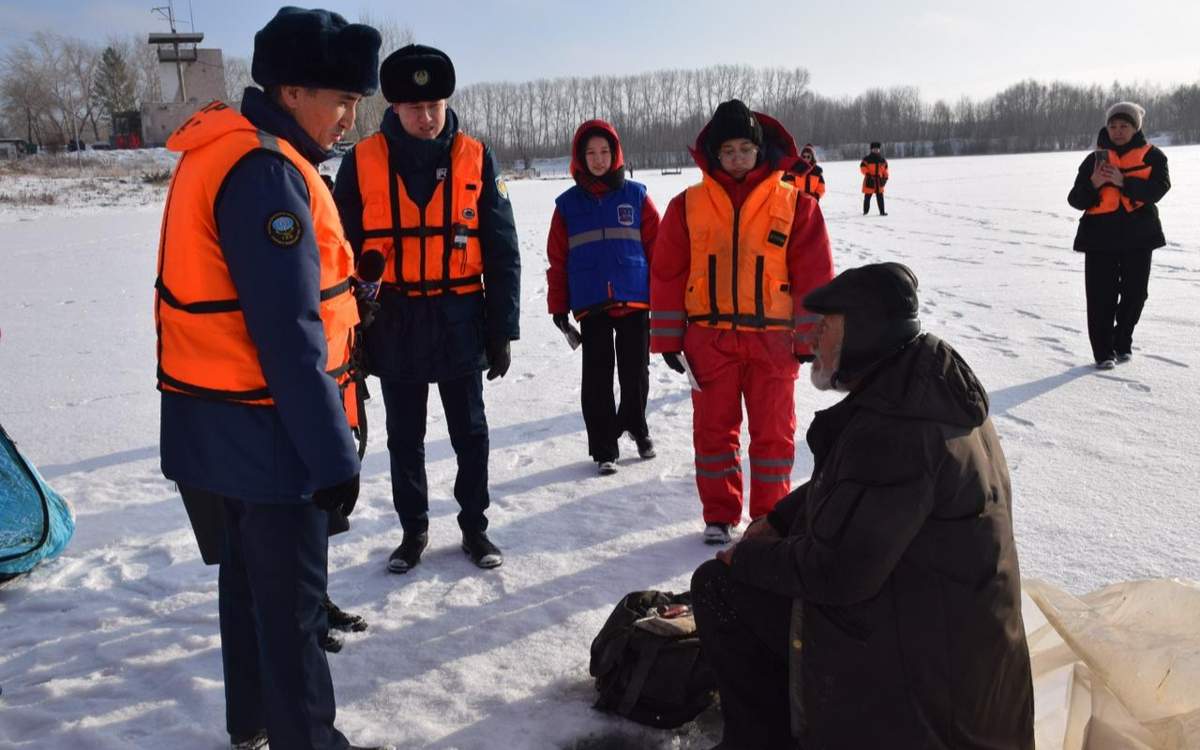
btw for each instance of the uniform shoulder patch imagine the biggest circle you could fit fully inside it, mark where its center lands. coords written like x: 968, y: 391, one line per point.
x: 283, y: 228
x: 502, y: 188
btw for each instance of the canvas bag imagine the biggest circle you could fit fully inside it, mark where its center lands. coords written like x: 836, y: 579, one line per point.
x: 649, y: 668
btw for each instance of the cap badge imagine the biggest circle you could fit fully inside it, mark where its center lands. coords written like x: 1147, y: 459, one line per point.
x: 421, y: 77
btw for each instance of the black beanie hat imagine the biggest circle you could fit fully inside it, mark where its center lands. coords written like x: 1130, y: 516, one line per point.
x: 880, y: 305
x: 316, y: 48
x: 876, y: 144
x: 733, y: 119
x: 417, y: 73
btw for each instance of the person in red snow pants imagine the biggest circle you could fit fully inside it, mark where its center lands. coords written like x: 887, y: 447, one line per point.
x: 733, y: 258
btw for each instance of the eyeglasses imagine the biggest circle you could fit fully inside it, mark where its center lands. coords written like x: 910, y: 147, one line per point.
x: 746, y: 151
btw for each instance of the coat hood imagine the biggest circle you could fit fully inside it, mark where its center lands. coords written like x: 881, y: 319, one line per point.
x: 926, y: 380
x: 586, y: 130
x: 778, y: 149
x: 258, y: 113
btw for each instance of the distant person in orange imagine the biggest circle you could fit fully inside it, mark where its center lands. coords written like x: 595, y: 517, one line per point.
x: 810, y: 177
x: 1116, y: 188
x: 875, y: 176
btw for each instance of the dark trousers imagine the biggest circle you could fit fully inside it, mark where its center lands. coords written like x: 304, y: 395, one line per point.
x: 1117, y: 285
x: 744, y: 637
x: 867, y: 203
x: 271, y: 585
x: 605, y: 420
x: 462, y: 402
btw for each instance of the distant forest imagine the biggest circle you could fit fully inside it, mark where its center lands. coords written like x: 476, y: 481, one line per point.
x: 658, y: 114
x: 55, y: 89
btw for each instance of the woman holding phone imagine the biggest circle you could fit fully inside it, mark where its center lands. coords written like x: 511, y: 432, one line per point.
x: 1117, y: 188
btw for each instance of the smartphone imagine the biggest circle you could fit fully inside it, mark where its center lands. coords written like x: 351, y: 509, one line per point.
x: 1101, y: 156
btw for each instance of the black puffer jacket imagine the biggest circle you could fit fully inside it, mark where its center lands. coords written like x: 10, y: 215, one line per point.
x: 901, y: 557
x: 1121, y: 231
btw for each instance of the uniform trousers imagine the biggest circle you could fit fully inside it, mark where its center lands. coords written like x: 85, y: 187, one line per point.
x: 1117, y: 285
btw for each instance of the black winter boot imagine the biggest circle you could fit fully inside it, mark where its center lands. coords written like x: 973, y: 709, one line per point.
x: 408, y: 555
x: 481, y: 550
x: 339, y: 619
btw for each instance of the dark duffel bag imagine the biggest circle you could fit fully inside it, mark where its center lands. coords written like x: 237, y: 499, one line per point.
x: 647, y: 661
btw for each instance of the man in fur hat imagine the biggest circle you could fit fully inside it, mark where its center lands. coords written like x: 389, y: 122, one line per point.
x: 428, y: 215
x: 255, y: 321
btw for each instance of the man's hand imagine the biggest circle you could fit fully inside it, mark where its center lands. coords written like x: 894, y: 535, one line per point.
x: 726, y: 555
x: 342, y: 495
x: 499, y: 357
x: 760, y: 528
x: 673, y: 361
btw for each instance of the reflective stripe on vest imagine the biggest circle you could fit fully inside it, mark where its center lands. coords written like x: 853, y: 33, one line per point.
x: 739, y: 274
x: 606, y: 262
x: 413, y: 241
x: 1132, y: 164
x: 204, y: 347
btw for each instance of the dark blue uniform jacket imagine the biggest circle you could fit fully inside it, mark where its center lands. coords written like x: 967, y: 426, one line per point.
x: 432, y: 339
x: 283, y: 453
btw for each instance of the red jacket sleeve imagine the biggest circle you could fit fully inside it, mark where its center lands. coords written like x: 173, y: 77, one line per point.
x: 650, y: 222
x: 669, y: 270
x: 810, y: 265
x: 558, y: 294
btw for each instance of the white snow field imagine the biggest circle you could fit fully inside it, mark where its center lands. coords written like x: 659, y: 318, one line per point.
x: 115, y: 645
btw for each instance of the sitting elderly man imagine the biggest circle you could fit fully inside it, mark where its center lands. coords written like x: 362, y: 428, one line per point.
x: 879, y: 604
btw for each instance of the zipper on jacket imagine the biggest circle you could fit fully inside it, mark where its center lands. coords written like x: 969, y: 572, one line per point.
x: 734, y: 255
x: 422, y: 287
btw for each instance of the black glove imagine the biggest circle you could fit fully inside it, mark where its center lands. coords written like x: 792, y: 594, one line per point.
x: 499, y: 358
x: 341, y: 496
x: 674, y: 361
x: 560, y: 321
x: 805, y: 359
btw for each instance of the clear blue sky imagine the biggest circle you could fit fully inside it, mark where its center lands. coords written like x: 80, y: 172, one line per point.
x: 945, y: 48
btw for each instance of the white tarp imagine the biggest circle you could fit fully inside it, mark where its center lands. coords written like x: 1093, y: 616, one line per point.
x: 1118, y: 668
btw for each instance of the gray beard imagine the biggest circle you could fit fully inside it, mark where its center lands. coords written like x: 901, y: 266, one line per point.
x: 822, y: 376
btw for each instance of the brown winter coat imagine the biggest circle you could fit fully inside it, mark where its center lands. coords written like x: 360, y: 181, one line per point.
x: 900, y: 554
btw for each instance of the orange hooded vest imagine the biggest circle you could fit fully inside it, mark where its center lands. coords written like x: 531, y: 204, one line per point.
x: 1132, y: 164
x: 439, y: 249
x: 739, y: 273
x: 204, y: 347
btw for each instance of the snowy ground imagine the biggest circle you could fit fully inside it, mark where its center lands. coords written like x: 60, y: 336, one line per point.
x: 115, y: 644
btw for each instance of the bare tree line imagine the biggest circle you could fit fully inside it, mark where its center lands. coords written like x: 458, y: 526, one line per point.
x: 658, y: 114
x: 56, y: 89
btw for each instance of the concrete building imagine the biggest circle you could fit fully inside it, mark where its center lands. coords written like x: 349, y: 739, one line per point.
x: 190, y: 77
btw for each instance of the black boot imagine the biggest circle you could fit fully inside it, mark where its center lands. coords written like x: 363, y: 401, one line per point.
x: 339, y: 619
x: 408, y: 555
x: 481, y: 550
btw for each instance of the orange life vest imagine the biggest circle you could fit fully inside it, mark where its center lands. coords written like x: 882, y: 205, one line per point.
x: 1132, y: 164
x: 811, y: 184
x: 439, y: 248
x: 739, y: 273
x: 875, y: 176
x: 204, y: 347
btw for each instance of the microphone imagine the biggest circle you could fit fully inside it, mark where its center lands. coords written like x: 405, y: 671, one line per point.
x: 370, y: 271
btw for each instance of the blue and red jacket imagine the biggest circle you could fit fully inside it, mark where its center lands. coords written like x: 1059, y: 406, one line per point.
x: 601, y: 237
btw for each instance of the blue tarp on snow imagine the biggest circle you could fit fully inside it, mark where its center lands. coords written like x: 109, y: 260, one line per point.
x: 35, y: 522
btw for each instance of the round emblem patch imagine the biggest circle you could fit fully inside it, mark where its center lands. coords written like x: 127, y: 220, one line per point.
x: 284, y: 228
x: 421, y: 77
x: 468, y: 213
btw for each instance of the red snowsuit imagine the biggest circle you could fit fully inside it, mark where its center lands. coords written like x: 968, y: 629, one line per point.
x: 740, y: 357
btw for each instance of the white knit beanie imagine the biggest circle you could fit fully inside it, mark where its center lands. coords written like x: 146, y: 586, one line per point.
x: 1130, y: 111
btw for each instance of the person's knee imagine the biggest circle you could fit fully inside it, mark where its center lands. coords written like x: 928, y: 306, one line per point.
x: 707, y: 583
